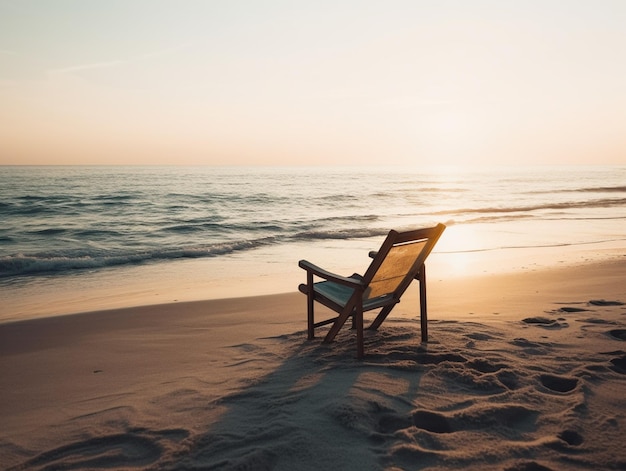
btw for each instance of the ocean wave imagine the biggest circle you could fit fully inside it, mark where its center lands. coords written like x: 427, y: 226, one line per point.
x: 114, y: 198
x: 30, y: 198
x: 602, y: 189
x: 517, y: 217
x: 215, y: 228
x: 351, y: 233
x: 339, y: 198
x: 49, y: 231
x: 498, y: 218
x: 97, y: 233
x: 341, y: 219
x: 9, y: 209
x: 189, y: 228
x: 95, y: 257
x: 535, y: 246
x: 602, y: 203
x: 52, y: 263
x: 594, y: 189
x: 431, y: 189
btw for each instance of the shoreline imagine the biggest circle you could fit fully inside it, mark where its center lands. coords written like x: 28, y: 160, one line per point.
x: 265, y: 272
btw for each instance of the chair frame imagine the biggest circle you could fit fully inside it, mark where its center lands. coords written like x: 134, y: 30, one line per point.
x: 354, y: 307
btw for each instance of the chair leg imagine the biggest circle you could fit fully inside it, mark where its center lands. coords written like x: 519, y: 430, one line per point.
x: 310, y: 303
x: 338, y: 324
x: 382, y: 315
x: 341, y: 319
x: 423, y: 308
x: 358, y: 316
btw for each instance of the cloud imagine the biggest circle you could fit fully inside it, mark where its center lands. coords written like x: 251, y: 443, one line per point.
x: 116, y: 63
x: 95, y: 65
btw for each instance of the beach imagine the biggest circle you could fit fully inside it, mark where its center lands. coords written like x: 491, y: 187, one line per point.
x: 175, y: 175
x: 524, y: 370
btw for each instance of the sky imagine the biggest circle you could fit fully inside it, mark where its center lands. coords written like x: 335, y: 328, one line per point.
x: 319, y: 82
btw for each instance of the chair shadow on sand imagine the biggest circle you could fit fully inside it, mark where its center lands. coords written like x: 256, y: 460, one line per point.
x: 455, y: 402
x: 321, y: 408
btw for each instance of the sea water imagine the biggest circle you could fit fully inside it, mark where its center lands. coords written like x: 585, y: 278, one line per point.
x: 107, y: 235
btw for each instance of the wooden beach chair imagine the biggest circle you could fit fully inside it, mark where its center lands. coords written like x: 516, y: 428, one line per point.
x: 397, y: 263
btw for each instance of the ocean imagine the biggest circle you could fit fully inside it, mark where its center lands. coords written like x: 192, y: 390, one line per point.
x: 62, y: 225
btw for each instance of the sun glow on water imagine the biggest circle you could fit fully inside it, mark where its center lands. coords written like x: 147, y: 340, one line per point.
x: 457, y: 249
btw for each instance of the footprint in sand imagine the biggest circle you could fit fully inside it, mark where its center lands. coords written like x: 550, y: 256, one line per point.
x: 485, y: 366
x: 136, y: 448
x: 545, y: 322
x: 538, y: 320
x: 512, y: 416
x: 508, y: 378
x: 571, y: 437
x: 390, y: 423
x: 528, y: 466
x: 619, y: 334
x: 525, y: 343
x: 619, y: 364
x: 479, y: 336
x: 432, y: 422
x: 130, y: 450
x: 597, y: 321
x: 571, y: 309
x: 531, y: 348
x: 602, y: 302
x: 558, y: 384
x: 436, y: 358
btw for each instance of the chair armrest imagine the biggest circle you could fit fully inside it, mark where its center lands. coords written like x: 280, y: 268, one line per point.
x: 320, y: 272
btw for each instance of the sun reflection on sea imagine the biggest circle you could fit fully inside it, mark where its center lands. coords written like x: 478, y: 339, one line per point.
x: 457, y: 250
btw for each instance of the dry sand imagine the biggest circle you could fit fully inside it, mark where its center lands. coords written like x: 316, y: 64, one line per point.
x: 522, y: 372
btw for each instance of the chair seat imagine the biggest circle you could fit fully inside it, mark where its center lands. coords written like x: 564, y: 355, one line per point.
x: 341, y: 294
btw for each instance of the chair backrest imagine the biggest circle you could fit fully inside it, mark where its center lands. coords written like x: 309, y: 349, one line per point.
x: 398, y: 261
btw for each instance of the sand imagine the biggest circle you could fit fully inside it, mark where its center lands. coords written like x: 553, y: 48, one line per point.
x: 523, y: 371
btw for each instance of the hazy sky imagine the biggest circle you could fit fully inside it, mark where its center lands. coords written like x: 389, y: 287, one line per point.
x: 312, y: 82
